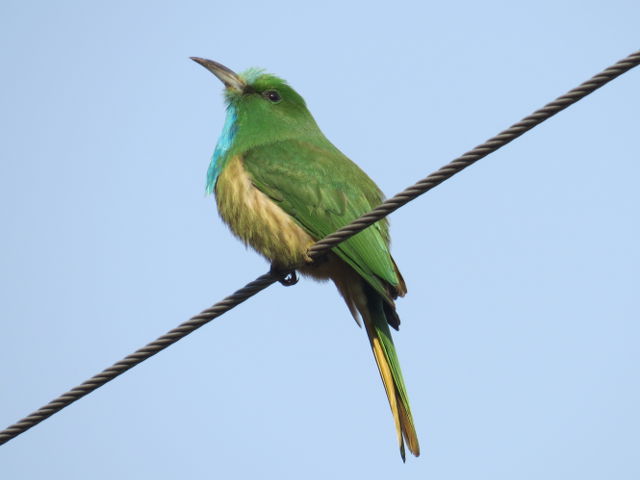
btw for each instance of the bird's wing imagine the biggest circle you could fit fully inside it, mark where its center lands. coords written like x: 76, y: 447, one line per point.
x: 323, y: 190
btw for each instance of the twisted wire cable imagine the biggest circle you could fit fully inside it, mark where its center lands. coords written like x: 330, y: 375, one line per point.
x: 472, y: 156
x: 323, y: 246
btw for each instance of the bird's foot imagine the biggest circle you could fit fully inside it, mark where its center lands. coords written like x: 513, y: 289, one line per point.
x: 287, y: 278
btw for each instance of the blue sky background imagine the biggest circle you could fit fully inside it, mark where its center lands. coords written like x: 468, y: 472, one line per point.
x: 520, y: 333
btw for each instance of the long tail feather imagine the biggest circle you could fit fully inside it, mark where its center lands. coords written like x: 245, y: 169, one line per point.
x: 375, y: 322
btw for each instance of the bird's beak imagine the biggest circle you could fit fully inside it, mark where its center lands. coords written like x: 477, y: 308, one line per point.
x: 227, y: 76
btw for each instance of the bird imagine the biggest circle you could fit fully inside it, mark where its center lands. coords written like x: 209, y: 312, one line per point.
x: 280, y: 185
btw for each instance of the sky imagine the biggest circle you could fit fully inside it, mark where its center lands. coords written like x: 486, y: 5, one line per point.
x: 520, y: 333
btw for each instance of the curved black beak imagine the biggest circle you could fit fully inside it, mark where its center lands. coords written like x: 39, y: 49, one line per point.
x: 227, y: 76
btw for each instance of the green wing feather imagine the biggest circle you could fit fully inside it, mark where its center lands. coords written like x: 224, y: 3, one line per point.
x: 323, y: 190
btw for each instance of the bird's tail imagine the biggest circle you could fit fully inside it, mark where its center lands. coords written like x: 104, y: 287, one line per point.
x: 375, y: 321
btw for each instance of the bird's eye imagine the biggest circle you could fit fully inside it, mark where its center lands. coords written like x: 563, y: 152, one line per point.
x: 273, y: 96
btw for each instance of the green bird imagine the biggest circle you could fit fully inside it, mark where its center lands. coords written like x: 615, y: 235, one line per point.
x: 280, y: 186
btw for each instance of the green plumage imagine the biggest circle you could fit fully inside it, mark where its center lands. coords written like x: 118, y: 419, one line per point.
x: 314, y: 183
x: 281, y: 185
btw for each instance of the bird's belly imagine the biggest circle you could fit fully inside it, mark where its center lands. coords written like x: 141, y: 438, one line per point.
x: 257, y: 220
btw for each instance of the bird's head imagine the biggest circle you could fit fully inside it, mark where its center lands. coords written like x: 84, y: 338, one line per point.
x: 264, y: 104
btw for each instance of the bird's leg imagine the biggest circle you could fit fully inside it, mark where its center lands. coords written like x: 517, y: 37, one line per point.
x: 287, y: 278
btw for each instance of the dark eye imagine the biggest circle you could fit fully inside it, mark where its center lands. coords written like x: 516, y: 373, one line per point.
x: 273, y: 96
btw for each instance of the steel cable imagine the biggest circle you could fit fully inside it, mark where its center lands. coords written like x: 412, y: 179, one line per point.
x: 323, y: 246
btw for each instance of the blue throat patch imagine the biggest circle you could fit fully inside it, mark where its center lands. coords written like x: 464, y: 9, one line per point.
x: 222, y: 147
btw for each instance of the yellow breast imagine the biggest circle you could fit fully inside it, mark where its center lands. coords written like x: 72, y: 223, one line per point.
x: 257, y: 220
